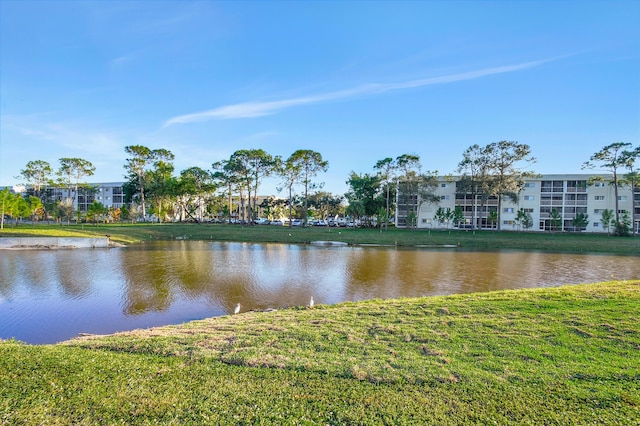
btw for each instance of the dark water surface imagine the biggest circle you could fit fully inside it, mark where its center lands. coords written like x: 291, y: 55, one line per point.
x: 51, y: 295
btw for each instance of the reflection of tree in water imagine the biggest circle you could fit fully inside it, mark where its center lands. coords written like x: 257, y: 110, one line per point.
x: 259, y: 276
x: 147, y: 275
x: 75, y: 274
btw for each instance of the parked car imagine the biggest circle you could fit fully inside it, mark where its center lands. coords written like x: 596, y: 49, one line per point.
x: 296, y: 222
x: 276, y: 222
x: 262, y: 221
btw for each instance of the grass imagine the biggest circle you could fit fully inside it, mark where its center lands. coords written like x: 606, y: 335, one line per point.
x: 479, y: 240
x: 568, y: 355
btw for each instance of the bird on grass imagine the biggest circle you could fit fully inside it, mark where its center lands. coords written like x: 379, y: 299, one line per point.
x: 237, y: 309
x: 311, y: 303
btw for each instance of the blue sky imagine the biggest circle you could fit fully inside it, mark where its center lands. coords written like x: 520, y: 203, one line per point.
x: 356, y: 81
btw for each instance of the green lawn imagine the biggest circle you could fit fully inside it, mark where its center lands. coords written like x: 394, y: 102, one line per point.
x: 568, y: 355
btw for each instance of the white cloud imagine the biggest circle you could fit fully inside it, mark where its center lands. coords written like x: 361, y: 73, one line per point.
x: 259, y: 109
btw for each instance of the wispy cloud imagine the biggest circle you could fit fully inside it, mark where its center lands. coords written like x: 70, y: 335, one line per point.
x: 259, y: 109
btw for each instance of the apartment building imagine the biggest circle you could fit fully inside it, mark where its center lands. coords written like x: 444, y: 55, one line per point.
x: 110, y: 194
x: 544, y: 198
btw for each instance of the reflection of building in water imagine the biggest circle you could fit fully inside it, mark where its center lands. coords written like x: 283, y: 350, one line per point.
x: 547, y: 202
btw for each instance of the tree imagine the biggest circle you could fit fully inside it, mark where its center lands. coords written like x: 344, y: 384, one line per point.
x: 523, y: 219
x: 195, y: 188
x: 580, y: 222
x: 37, y: 173
x: 365, y: 190
x: 36, y: 207
x: 260, y: 166
x: 162, y: 187
x: 607, y: 218
x: 632, y: 178
x: 229, y: 179
x: 458, y: 216
x: 95, y: 210
x: 141, y: 160
x: 310, y: 164
x: 612, y: 157
x: 556, y: 219
x: 443, y: 216
x: 326, y: 204
x: 414, y: 186
x: 475, y: 168
x: 386, y: 172
x: 290, y: 171
x: 71, y: 172
x: 7, y: 203
x: 507, y: 178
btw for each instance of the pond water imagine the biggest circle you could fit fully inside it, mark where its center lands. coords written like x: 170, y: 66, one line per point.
x: 48, y: 296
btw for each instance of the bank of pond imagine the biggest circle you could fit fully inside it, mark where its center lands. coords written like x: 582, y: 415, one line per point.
x: 561, y: 355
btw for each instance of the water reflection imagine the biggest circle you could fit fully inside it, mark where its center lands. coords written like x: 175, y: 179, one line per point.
x: 47, y: 296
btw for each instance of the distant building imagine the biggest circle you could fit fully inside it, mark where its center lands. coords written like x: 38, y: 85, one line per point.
x: 109, y: 194
x: 567, y: 194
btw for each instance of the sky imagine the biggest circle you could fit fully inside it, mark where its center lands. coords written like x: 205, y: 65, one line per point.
x: 356, y: 81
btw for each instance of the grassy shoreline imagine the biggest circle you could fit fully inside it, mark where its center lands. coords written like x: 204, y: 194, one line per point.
x: 567, y: 355
x: 480, y: 240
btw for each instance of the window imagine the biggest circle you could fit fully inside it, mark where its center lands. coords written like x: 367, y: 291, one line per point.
x: 528, y: 210
x: 507, y: 210
x: 622, y: 198
x: 443, y: 185
x: 508, y: 222
x: 596, y: 224
x: 445, y: 197
x: 552, y: 186
x: 529, y: 185
x: 598, y: 211
x: 576, y: 185
x: 424, y: 220
x: 599, y: 197
x: 529, y: 197
x: 599, y: 184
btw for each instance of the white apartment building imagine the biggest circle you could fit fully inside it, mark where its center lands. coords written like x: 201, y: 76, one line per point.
x: 568, y: 194
x: 110, y: 194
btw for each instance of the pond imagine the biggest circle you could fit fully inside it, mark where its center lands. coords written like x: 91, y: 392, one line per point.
x: 48, y: 296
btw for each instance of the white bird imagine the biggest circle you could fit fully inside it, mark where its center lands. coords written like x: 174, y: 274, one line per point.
x: 311, y: 302
x: 237, y: 309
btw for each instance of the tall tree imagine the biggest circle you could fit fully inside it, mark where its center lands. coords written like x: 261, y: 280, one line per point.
x: 195, y: 187
x: 7, y: 202
x: 310, y: 164
x: 326, y: 204
x: 137, y: 166
x: 414, y: 186
x: 37, y: 173
x: 507, y: 176
x: 162, y: 187
x: 261, y: 165
x: 289, y: 171
x: 387, y: 168
x: 71, y: 172
x: 227, y: 178
x: 476, y: 172
x: 632, y: 178
x: 611, y: 157
x: 365, y: 190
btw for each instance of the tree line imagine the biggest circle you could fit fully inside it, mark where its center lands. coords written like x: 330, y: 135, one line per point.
x: 231, y: 187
